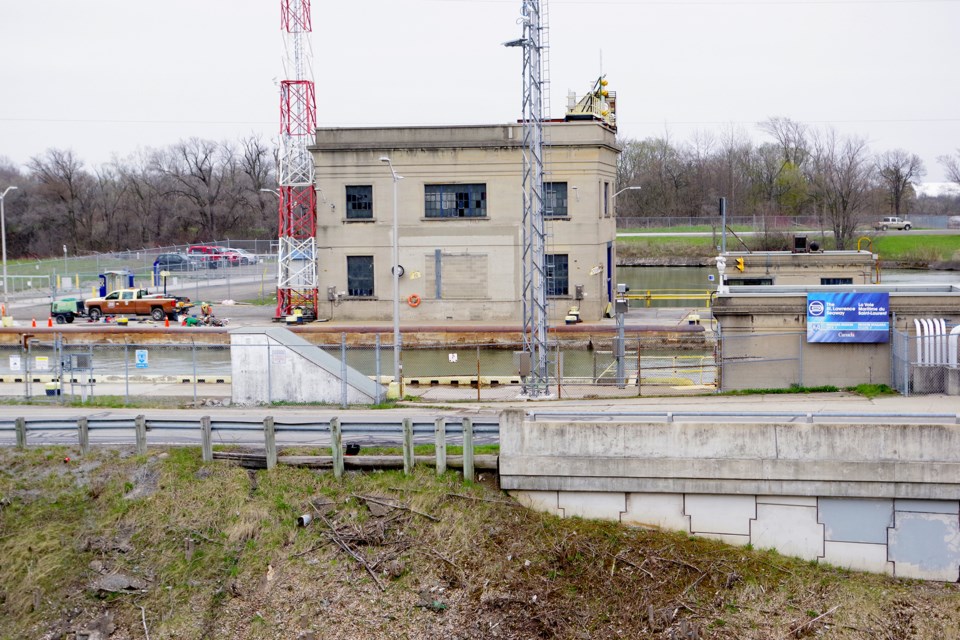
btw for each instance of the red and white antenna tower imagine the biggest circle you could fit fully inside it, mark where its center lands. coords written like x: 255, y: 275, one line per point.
x: 297, y: 255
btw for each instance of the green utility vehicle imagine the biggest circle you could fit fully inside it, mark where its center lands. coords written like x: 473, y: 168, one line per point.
x: 67, y: 310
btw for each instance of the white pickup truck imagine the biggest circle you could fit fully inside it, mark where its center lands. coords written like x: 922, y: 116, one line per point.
x: 892, y: 222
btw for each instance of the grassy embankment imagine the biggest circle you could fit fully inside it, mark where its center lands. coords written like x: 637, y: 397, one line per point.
x: 908, y: 250
x: 213, y: 551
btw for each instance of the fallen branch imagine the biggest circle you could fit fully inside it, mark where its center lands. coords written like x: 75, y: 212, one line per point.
x: 397, y: 506
x: 343, y: 545
x: 796, y: 632
x: 639, y: 567
x: 506, y: 502
x: 143, y: 616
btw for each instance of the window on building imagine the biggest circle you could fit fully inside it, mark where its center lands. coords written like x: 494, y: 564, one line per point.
x: 455, y: 200
x: 606, y: 199
x: 360, y: 276
x: 558, y: 274
x: 359, y: 202
x: 836, y: 280
x: 740, y: 282
x: 555, y: 200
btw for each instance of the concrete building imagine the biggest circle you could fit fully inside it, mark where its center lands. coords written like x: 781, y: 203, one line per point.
x: 460, y: 209
x: 801, y: 267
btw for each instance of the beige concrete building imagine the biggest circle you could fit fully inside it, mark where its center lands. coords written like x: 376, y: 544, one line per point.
x: 801, y: 268
x: 460, y: 208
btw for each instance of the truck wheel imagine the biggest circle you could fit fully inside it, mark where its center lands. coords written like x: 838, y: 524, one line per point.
x: 906, y: 227
x: 884, y: 227
x: 95, y: 313
x: 60, y: 318
x: 157, y: 314
x: 70, y: 317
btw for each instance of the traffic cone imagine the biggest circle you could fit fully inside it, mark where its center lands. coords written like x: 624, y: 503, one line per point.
x: 49, y: 321
x: 34, y: 322
x: 166, y: 321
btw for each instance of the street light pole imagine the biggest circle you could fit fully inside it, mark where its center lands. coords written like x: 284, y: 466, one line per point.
x: 396, y: 275
x: 3, y: 240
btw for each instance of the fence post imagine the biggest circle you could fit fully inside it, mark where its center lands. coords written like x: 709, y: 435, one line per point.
x: 83, y: 435
x: 468, y: 449
x: 440, y: 443
x: 141, y: 429
x: 206, y: 438
x: 21, y: 427
x: 336, y: 447
x: 270, y: 442
x: 408, y: 460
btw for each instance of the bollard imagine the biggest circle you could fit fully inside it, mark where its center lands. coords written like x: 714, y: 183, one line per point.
x: 206, y: 438
x: 440, y: 442
x: 20, y: 424
x: 468, y: 449
x: 83, y: 435
x: 141, y: 427
x: 336, y: 447
x: 408, y: 459
x: 270, y: 438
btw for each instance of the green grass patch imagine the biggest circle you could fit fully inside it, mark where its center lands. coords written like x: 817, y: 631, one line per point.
x: 872, y: 390
x: 794, y: 388
x: 917, y: 249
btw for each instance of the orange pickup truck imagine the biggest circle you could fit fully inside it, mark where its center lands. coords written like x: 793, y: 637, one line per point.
x: 136, y: 302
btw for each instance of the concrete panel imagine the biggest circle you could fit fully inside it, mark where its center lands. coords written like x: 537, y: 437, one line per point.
x: 926, y: 546
x: 663, y: 510
x: 856, y: 519
x: 720, y: 514
x: 857, y: 556
x: 796, y: 501
x: 928, y: 506
x: 791, y: 530
x: 599, y: 506
x: 543, y: 501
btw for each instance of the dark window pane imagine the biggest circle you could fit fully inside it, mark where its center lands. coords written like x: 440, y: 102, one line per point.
x: 455, y: 201
x: 558, y: 274
x: 359, y: 275
x: 359, y: 202
x: 555, y: 200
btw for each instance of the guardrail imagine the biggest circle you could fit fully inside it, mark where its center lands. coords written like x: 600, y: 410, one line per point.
x: 206, y: 426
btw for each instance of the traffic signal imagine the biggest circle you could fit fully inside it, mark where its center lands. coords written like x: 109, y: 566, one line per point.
x: 740, y: 264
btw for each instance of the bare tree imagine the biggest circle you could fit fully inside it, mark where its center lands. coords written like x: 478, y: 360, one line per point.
x: 791, y: 137
x: 952, y: 165
x: 841, y: 175
x: 67, y: 189
x: 897, y: 170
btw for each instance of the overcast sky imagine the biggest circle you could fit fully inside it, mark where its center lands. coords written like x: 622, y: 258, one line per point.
x: 106, y: 77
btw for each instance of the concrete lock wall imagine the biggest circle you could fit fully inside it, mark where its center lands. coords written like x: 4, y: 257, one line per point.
x: 880, y: 498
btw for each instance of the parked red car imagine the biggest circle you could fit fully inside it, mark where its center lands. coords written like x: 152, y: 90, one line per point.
x: 209, y: 256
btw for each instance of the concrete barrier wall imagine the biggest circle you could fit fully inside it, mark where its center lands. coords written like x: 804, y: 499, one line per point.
x: 881, y: 498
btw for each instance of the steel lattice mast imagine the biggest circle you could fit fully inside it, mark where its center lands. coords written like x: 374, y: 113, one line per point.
x: 297, y: 254
x: 534, y: 247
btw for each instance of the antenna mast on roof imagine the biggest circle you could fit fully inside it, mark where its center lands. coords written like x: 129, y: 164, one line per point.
x: 297, y: 255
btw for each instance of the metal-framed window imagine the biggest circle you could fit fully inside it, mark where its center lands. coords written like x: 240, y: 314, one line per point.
x: 555, y: 200
x: 455, y: 201
x: 836, y: 280
x: 359, y: 202
x: 558, y: 274
x: 360, y: 276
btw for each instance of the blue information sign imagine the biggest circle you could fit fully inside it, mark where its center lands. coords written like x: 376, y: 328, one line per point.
x: 848, y: 317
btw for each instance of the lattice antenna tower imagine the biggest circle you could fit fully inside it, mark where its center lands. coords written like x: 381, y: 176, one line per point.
x: 297, y: 254
x: 534, y: 249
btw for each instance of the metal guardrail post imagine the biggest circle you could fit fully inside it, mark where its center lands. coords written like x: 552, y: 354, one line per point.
x: 270, y: 442
x: 21, y: 426
x: 408, y: 459
x: 83, y: 435
x: 468, y: 449
x: 440, y: 444
x: 206, y: 438
x: 336, y: 447
x: 141, y: 428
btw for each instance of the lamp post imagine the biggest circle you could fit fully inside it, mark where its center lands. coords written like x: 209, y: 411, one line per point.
x: 3, y: 240
x: 396, y: 275
x: 626, y: 189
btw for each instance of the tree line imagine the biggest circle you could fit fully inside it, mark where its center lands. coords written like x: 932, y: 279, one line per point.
x: 198, y: 190
x: 796, y: 171
x: 193, y: 190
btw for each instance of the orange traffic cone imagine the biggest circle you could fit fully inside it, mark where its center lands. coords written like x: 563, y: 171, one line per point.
x: 34, y: 322
x: 166, y: 321
x: 50, y: 321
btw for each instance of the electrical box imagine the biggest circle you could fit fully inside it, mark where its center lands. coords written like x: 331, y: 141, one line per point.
x: 622, y: 306
x: 578, y: 292
x: 524, y: 368
x: 332, y: 293
x: 622, y: 288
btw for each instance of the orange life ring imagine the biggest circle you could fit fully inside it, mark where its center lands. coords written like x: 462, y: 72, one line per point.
x: 413, y: 300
